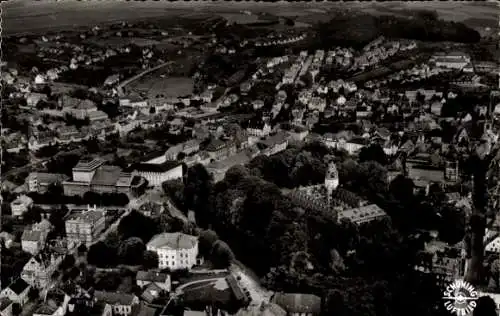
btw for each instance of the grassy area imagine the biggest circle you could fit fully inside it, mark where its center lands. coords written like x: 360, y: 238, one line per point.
x: 169, y: 86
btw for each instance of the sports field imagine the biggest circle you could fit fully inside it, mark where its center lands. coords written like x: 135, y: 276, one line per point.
x: 169, y: 86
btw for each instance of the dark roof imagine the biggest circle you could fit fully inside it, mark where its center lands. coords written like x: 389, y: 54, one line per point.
x: 298, y: 303
x: 114, y: 298
x: 147, y: 167
x: 106, y: 175
x: 215, y: 145
x: 18, y: 286
x: 4, y: 303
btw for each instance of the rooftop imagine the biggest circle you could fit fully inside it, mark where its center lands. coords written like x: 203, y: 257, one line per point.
x: 362, y: 214
x: 173, y: 241
x: 91, y: 216
x: 18, y: 286
x: 88, y: 165
x: 106, y: 175
x: 114, y: 298
x: 148, y: 167
x: 4, y: 303
x: 45, y: 177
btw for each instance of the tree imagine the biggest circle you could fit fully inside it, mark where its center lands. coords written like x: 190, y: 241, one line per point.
x: 374, y: 152
x: 402, y: 188
x: 131, y: 251
x: 68, y: 262
x: 136, y: 224
x: 150, y: 260
x: 197, y: 191
x: 33, y: 294
x: 82, y: 249
x: 101, y: 255
x: 206, y: 241
x: 222, y: 255
x: 32, y: 215
x: 486, y: 306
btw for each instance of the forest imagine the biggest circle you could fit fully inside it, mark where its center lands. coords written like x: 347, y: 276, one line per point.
x: 358, y: 270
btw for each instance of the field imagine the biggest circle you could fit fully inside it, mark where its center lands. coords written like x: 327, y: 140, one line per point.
x: 168, y: 86
x: 19, y: 17
x: 117, y: 41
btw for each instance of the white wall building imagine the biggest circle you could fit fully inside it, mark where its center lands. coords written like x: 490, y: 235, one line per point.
x: 156, y: 174
x: 175, y: 250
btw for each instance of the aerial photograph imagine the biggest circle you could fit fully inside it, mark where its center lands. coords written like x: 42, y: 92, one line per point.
x: 220, y: 158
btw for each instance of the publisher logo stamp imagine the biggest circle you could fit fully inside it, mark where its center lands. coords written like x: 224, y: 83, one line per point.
x: 460, y: 298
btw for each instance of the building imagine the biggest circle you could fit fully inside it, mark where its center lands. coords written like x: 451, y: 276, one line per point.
x: 6, y: 307
x: 162, y: 280
x: 274, y: 144
x: 156, y: 174
x: 218, y: 149
x: 85, y: 227
x: 34, y: 238
x: 37, y: 272
x: 21, y: 205
x: 187, y: 148
x: 217, y: 169
x: 93, y: 175
x: 121, y: 303
x: 55, y: 304
x: 17, y: 292
x: 175, y: 250
x: 296, y: 304
x: 258, y: 129
x: 40, y: 181
x: 33, y: 98
x: 332, y: 178
x: 363, y: 214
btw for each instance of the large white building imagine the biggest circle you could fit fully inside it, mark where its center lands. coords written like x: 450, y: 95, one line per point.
x: 175, y: 250
x: 156, y: 174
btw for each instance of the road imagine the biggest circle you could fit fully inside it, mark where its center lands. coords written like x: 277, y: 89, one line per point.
x: 178, y: 291
x: 112, y: 227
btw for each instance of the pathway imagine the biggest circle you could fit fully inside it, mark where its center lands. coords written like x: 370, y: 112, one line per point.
x: 178, y: 291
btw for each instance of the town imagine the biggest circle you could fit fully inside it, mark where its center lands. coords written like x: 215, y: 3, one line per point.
x: 250, y: 164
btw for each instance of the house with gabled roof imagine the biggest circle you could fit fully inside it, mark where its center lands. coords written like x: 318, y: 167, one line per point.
x: 17, y: 291
x: 121, y: 303
x: 162, y: 280
x: 38, y: 271
x: 5, y: 306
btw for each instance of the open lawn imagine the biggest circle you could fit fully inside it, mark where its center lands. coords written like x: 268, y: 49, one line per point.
x: 169, y: 86
x: 216, y: 292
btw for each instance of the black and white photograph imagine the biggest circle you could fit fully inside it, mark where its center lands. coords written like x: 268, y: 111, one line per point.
x: 249, y: 158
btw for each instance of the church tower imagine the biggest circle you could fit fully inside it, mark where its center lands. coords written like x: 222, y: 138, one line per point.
x: 331, y: 179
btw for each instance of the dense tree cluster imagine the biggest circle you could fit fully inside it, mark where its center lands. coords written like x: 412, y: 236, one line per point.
x: 346, y: 30
x: 55, y: 194
x: 127, y: 245
x: 311, y: 252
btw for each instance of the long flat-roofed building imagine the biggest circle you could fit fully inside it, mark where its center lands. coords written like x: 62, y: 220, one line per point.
x: 94, y: 176
x: 363, y: 214
x: 156, y: 174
